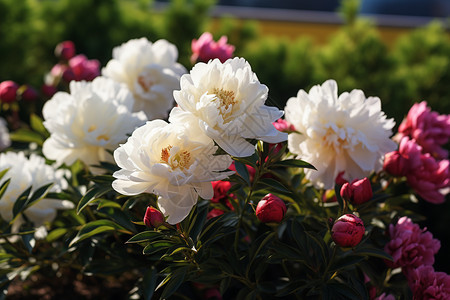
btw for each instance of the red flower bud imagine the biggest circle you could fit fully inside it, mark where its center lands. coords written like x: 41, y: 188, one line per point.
x: 358, y: 191
x: 270, y: 209
x: 65, y: 50
x: 28, y: 93
x: 48, y: 90
x: 8, y: 91
x: 347, y: 231
x: 153, y: 217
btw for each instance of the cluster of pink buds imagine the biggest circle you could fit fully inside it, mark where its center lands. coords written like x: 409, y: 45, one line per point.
x: 11, y: 91
x: 70, y: 67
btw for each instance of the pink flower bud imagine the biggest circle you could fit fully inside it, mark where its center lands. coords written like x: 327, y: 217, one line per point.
x: 270, y: 209
x: 8, y: 91
x: 340, y: 180
x: 48, y: 90
x: 347, y: 231
x: 28, y: 93
x: 283, y: 125
x: 358, y: 191
x: 153, y: 218
x: 83, y: 68
x: 65, y: 50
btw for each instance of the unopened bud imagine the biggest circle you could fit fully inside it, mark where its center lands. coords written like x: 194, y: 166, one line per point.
x: 358, y: 191
x: 348, y: 231
x: 153, y: 218
x: 65, y: 50
x: 270, y: 209
x: 8, y: 91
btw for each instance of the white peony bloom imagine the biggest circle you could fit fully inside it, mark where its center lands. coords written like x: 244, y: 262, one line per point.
x: 174, y: 161
x: 150, y: 71
x: 227, y: 101
x: 95, y: 117
x: 25, y: 172
x: 5, y: 141
x: 347, y: 133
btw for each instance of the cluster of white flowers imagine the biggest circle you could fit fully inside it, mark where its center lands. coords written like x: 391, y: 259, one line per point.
x: 31, y: 172
x: 347, y: 134
x: 218, y: 102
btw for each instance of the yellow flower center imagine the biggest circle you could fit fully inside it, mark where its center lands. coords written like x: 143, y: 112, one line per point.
x: 101, y: 136
x: 226, y: 98
x: 180, y: 160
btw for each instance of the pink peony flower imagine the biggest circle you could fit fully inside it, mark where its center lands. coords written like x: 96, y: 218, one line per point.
x: 430, y: 179
x: 429, y: 129
x: 153, y: 218
x: 358, y: 191
x: 283, y: 125
x: 407, y: 157
x: 410, y: 246
x: 205, y: 48
x: 83, y: 68
x: 65, y: 50
x: 270, y: 209
x: 348, y: 231
x: 426, y: 283
x: 8, y: 91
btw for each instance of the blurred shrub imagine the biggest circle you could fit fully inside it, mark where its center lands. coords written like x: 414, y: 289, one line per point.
x: 416, y: 68
x: 422, y: 60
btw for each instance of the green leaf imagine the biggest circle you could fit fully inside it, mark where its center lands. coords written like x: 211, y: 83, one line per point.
x: 149, y: 283
x: 341, y: 263
x: 37, y: 125
x: 91, y: 195
x: 27, y: 136
x: 29, y: 241
x: 4, y: 186
x: 39, y: 194
x: 241, y: 169
x: 95, y: 227
x: 55, y: 234
x: 273, y: 184
x: 157, y: 246
x: 145, y: 237
x: 373, y: 252
x: 3, y: 172
x: 20, y: 203
x: 293, y: 163
x: 172, y: 282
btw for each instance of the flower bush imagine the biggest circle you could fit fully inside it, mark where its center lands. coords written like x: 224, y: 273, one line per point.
x: 223, y: 197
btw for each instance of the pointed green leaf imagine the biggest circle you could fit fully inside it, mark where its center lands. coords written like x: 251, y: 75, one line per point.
x: 91, y: 195
x: 294, y: 163
x: 37, y: 125
x: 145, y: 236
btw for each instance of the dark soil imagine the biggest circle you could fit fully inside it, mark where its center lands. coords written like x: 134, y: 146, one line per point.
x: 70, y: 286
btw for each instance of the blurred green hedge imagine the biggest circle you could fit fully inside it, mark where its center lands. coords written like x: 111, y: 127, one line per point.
x: 416, y: 68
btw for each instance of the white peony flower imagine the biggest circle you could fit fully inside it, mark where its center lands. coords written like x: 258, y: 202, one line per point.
x: 150, y: 71
x: 174, y: 161
x: 347, y: 133
x: 95, y: 117
x: 5, y: 140
x: 227, y: 101
x: 25, y: 172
